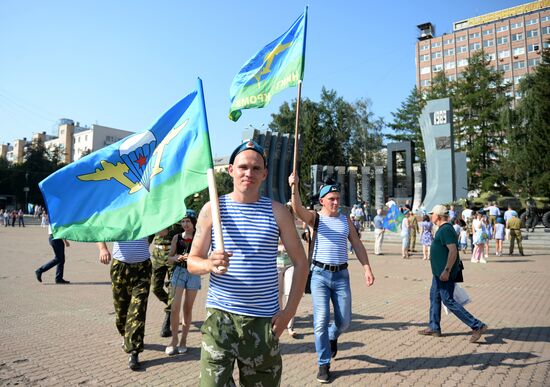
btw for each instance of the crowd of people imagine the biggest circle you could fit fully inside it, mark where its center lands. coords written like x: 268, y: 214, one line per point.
x: 258, y: 278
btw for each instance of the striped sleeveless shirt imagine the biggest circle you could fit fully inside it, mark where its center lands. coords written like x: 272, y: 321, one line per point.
x: 331, y: 242
x: 131, y: 251
x: 249, y: 287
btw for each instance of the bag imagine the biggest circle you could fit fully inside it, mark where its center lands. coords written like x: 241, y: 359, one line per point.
x: 461, y: 296
x: 310, y: 252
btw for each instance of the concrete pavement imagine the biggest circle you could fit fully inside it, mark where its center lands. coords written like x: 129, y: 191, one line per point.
x: 65, y: 334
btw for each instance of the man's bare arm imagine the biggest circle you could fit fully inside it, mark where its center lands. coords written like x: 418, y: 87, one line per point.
x: 296, y: 202
x: 361, y: 253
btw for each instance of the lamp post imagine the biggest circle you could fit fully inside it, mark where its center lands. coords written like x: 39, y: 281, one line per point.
x: 26, y: 190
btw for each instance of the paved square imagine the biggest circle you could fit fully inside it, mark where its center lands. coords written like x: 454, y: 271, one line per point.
x: 65, y: 334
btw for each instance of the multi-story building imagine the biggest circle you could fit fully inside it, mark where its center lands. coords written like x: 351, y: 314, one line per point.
x: 512, y: 38
x: 73, y: 141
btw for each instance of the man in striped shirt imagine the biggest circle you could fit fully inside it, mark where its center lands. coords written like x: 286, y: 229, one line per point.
x: 131, y: 280
x: 330, y: 277
x: 244, y: 320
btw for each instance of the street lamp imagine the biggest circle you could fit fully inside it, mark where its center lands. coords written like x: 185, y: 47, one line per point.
x: 26, y: 190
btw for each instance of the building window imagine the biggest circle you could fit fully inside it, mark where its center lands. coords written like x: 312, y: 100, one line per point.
x: 436, y: 68
x: 545, y: 30
x: 533, y: 48
x: 504, y: 67
x: 451, y: 78
x: 519, y: 51
x: 449, y: 52
x: 504, y: 54
x: 516, y: 25
x: 533, y: 62
x: 424, y: 58
x: 424, y: 47
x: 460, y: 38
x: 545, y: 19
x: 436, y: 54
x: 532, y: 33
x: 491, y: 56
x: 462, y: 63
x: 519, y: 65
x: 502, y: 40
x: 448, y: 41
x: 502, y: 28
x: 475, y: 46
x: 425, y: 82
x: 462, y: 49
x: 488, y: 43
x: 506, y: 81
x: 450, y: 65
x: 424, y: 70
x: 516, y: 37
x: 436, y: 44
x: 517, y: 79
x: 475, y: 35
x: 531, y: 22
x: 488, y: 32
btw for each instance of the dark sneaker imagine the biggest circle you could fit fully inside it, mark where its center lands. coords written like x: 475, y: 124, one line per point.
x: 476, y: 333
x: 429, y: 332
x: 62, y: 282
x: 165, y: 330
x: 38, y: 274
x: 133, y: 361
x: 333, y: 348
x: 323, y: 376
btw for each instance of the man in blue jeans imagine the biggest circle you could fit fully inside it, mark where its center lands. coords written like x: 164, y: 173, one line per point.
x: 330, y: 276
x: 58, y: 246
x: 445, y: 267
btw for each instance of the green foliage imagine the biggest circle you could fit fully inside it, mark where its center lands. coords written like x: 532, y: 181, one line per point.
x: 224, y: 185
x: 406, y: 126
x: 528, y: 163
x: 479, y: 103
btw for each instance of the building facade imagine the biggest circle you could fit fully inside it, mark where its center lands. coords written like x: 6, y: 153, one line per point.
x: 512, y: 38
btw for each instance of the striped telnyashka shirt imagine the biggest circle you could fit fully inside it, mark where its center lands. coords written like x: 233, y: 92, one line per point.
x: 331, y: 241
x: 249, y: 287
x: 131, y: 251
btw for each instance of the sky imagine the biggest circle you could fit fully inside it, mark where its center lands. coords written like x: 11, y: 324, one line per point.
x: 123, y: 63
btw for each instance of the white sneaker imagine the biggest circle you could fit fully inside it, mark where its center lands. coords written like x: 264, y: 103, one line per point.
x: 182, y: 349
x: 473, y: 261
x: 171, y: 351
x: 483, y: 260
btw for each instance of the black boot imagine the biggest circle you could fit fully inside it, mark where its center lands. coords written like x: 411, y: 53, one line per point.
x: 133, y: 361
x: 165, y: 330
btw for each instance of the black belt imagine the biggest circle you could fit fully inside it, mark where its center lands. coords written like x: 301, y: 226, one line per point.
x: 332, y: 268
x: 182, y: 264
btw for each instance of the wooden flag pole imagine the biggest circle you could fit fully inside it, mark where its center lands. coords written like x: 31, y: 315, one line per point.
x: 295, y: 161
x: 215, y: 207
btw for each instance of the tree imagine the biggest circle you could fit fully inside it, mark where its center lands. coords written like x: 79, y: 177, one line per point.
x: 440, y: 87
x: 366, y: 135
x: 479, y: 104
x: 529, y: 159
x: 405, y: 123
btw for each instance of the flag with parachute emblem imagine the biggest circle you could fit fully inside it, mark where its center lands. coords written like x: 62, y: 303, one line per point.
x: 275, y: 67
x: 393, y: 219
x: 137, y: 186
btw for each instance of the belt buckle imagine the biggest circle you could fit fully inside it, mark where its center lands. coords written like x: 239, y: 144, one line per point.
x: 333, y: 268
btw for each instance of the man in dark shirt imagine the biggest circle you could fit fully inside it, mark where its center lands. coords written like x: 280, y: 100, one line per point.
x: 445, y: 267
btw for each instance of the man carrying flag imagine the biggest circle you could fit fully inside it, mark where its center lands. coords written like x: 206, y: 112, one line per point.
x: 128, y: 191
x: 244, y: 320
x: 275, y: 67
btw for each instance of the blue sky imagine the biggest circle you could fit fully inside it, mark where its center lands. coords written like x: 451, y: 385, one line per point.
x: 123, y: 63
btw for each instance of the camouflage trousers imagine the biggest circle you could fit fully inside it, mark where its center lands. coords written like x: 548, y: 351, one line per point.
x: 227, y: 337
x: 161, y: 275
x: 412, y: 240
x: 515, y: 235
x: 131, y: 283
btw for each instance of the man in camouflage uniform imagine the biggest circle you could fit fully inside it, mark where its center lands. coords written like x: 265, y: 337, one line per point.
x: 131, y: 281
x: 514, y: 225
x: 162, y: 272
x: 532, y: 217
x: 413, y: 229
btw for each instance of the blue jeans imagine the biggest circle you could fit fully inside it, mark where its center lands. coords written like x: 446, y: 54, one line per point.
x: 443, y: 292
x: 327, y: 286
x: 58, y: 247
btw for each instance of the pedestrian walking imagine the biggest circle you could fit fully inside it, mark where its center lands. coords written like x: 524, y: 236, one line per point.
x: 244, y: 320
x: 405, y: 232
x: 329, y: 271
x: 498, y: 232
x: 185, y: 286
x: 131, y: 282
x: 378, y: 232
x: 426, y: 236
x: 445, y: 268
x: 480, y: 238
x: 514, y: 225
x: 413, y: 230
x: 58, y: 246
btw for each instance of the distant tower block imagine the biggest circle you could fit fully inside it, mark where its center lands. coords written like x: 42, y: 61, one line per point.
x: 379, y: 187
